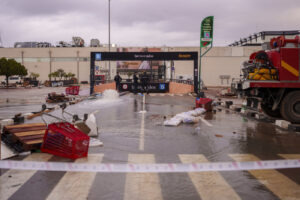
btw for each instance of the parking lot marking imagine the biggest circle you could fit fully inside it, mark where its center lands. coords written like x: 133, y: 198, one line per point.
x: 12, y: 180
x: 280, y: 185
x: 142, y: 185
x: 142, y: 132
x: 205, y: 121
x: 76, y: 185
x: 209, y: 185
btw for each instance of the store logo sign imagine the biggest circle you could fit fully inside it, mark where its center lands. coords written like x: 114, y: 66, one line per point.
x: 98, y: 56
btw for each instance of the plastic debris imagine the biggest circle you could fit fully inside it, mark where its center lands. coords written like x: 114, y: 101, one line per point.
x: 185, y: 117
x: 92, y: 124
x: 95, y: 142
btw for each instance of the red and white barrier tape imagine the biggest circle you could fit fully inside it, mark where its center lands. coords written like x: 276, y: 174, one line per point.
x: 149, y: 168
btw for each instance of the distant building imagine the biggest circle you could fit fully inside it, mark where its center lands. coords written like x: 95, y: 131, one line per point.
x: 95, y: 43
x: 258, y: 39
x: 32, y: 44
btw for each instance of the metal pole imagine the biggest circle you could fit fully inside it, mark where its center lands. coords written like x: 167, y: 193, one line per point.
x: 77, y: 67
x: 109, y: 37
x: 199, y: 70
x: 50, y: 63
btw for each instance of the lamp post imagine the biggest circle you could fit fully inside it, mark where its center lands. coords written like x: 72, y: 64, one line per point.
x: 109, y: 37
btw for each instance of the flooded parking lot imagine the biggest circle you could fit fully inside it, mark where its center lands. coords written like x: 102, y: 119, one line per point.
x: 132, y: 136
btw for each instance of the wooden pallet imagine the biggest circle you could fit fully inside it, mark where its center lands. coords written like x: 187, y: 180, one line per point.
x: 24, y: 137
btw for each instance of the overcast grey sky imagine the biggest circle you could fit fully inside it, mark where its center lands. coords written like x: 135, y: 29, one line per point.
x: 142, y: 23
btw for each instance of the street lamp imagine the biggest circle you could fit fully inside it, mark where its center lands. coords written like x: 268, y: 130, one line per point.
x: 109, y: 37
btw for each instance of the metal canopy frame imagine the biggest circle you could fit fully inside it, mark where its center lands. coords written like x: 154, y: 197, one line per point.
x: 141, y: 56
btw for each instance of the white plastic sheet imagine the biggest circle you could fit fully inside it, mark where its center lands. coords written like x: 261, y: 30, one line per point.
x: 185, y: 117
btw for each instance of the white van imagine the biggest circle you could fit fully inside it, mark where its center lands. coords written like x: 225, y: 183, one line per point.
x: 14, y: 79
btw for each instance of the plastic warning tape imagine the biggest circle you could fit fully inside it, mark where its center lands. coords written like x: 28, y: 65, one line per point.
x: 149, y: 168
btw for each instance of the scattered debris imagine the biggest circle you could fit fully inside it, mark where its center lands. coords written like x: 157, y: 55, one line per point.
x: 282, y: 123
x: 187, y: 117
x: 94, y: 142
x: 24, y: 137
x: 63, y: 139
x: 56, y: 98
x: 205, y: 103
x: 218, y: 135
x: 228, y: 103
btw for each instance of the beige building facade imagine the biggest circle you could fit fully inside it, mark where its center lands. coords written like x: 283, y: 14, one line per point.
x: 219, y: 65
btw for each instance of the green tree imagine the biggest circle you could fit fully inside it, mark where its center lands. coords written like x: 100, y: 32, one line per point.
x: 55, y: 75
x: 10, y: 67
x: 61, y: 73
x: 34, y: 76
x: 70, y: 75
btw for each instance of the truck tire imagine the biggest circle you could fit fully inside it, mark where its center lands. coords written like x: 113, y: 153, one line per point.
x: 290, y: 107
x: 268, y: 110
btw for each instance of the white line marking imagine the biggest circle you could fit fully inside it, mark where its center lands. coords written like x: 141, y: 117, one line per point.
x: 279, y: 184
x: 76, y: 185
x: 12, y: 180
x: 142, y: 186
x: 206, y: 122
x: 142, y: 132
x: 209, y: 185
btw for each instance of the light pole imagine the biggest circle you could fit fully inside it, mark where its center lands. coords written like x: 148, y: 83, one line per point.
x: 109, y: 37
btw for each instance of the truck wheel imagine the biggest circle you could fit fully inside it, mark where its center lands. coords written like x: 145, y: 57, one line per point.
x: 268, y: 110
x: 290, y: 107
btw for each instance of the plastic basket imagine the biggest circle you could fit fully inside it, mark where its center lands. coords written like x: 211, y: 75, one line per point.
x: 63, y: 139
x: 73, y: 90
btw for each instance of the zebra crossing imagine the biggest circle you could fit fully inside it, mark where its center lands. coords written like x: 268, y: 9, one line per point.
x: 209, y: 185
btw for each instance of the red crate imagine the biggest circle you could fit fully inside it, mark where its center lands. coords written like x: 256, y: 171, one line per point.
x: 204, y: 103
x: 73, y: 90
x: 63, y: 139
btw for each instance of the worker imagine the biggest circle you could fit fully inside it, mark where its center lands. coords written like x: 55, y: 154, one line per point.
x: 144, y: 82
x: 135, y: 82
x: 118, y: 80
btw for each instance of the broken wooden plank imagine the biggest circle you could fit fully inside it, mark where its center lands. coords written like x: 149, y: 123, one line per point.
x: 39, y: 141
x: 23, y: 125
x: 27, y: 133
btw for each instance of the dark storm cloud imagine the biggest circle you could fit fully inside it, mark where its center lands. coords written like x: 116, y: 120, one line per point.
x: 140, y: 22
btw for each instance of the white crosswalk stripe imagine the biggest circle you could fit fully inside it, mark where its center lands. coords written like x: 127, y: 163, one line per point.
x: 76, y: 185
x: 142, y: 185
x: 279, y: 184
x: 13, y: 180
x: 209, y: 185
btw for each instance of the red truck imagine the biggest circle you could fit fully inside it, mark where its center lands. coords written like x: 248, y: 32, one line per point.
x: 272, y: 77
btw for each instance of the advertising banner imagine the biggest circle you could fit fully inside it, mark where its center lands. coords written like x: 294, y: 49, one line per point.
x: 206, y: 37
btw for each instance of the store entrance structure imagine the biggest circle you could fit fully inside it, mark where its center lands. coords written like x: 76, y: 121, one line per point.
x: 144, y: 56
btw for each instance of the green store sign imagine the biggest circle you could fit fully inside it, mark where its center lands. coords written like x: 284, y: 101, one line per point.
x: 206, y: 37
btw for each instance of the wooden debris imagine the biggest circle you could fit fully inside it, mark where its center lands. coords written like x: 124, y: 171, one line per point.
x: 24, y: 137
x: 218, y: 135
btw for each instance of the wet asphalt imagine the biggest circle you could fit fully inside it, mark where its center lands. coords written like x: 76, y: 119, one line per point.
x: 120, y: 131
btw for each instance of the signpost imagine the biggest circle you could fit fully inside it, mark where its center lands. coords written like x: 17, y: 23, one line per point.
x: 206, y: 40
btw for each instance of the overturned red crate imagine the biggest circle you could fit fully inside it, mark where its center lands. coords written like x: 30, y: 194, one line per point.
x: 204, y: 103
x: 73, y: 90
x: 63, y: 139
